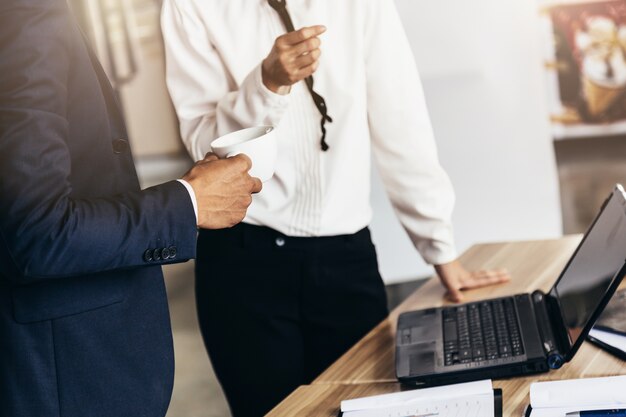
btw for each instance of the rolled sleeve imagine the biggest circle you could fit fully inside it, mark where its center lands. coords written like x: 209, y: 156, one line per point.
x: 198, y: 81
x: 402, y: 137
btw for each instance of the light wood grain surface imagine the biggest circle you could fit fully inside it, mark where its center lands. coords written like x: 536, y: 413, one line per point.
x: 368, y: 367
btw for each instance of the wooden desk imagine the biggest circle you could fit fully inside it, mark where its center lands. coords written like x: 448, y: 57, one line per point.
x: 368, y: 367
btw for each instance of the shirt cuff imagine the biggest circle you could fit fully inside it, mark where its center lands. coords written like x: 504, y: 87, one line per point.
x: 437, y: 253
x: 271, y: 98
x: 192, y: 195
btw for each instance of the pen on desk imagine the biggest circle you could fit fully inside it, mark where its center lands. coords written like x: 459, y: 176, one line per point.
x: 598, y: 413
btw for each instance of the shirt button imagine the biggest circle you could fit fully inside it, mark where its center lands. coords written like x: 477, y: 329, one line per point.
x: 156, y: 255
x: 173, y: 252
x: 280, y: 242
x: 120, y: 146
x: 165, y: 254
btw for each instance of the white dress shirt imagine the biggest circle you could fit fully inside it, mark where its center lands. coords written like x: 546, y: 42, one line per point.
x: 367, y: 74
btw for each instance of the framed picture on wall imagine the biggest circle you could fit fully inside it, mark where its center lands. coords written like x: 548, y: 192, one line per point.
x: 586, y: 63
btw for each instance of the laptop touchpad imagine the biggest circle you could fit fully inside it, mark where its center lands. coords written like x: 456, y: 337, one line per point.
x: 424, y: 333
x: 422, y: 358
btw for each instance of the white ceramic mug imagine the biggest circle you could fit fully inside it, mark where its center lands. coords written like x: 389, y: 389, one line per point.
x: 258, y: 143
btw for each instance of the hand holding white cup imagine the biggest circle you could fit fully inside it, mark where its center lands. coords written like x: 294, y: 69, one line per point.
x: 258, y: 143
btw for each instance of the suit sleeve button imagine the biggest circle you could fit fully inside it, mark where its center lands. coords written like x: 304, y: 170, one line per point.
x: 157, y: 254
x: 147, y: 255
x: 173, y: 252
x: 165, y: 254
x: 120, y: 146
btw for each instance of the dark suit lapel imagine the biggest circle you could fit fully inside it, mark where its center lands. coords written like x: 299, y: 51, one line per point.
x: 108, y: 92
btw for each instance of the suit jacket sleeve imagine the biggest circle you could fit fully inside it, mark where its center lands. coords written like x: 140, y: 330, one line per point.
x: 45, y: 232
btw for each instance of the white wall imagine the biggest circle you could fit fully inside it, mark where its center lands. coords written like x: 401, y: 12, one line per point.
x: 481, y: 66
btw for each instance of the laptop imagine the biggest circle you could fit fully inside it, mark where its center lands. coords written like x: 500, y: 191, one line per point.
x: 521, y: 334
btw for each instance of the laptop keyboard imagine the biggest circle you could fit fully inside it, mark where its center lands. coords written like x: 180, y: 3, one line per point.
x: 481, y: 331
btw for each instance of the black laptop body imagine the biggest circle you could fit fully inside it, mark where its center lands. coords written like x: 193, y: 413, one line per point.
x: 521, y: 334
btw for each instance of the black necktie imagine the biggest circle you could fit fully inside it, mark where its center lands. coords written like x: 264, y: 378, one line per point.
x: 281, y: 7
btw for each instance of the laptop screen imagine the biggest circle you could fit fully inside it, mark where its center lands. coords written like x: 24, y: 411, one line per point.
x: 593, y: 267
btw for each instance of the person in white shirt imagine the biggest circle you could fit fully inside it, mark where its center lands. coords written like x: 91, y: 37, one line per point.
x: 282, y: 295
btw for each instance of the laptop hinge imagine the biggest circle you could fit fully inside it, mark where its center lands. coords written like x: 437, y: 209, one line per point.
x: 550, y: 340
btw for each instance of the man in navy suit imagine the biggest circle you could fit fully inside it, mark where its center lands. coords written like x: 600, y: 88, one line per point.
x: 84, y: 324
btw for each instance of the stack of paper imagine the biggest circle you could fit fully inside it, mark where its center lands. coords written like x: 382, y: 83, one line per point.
x: 555, y: 398
x: 609, y: 332
x: 613, y: 342
x: 613, y: 318
x: 472, y: 399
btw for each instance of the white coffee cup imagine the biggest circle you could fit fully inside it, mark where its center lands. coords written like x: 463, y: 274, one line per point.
x: 258, y: 143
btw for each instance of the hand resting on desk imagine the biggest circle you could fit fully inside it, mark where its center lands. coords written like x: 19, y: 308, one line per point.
x: 456, y: 278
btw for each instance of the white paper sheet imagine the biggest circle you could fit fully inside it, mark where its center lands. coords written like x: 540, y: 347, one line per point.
x: 555, y: 398
x: 561, y: 411
x: 472, y: 399
x: 615, y: 340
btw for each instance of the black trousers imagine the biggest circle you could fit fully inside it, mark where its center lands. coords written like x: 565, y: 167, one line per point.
x: 275, y: 311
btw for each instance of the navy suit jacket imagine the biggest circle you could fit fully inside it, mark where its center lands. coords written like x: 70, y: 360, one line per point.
x: 84, y: 324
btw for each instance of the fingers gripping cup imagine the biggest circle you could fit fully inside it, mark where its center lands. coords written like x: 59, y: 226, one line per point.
x: 258, y: 143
